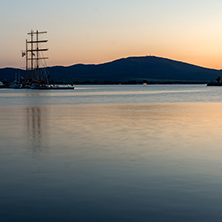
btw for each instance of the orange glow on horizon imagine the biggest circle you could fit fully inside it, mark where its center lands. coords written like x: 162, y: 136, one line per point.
x: 99, y: 31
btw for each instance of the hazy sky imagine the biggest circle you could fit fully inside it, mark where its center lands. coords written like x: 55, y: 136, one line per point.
x: 97, y: 31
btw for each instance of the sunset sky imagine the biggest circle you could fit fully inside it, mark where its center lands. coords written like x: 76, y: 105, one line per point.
x: 97, y: 31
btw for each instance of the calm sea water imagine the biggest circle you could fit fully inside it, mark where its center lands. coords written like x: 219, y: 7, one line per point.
x: 111, y: 153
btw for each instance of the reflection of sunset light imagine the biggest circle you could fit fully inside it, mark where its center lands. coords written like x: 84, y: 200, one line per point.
x: 155, y: 129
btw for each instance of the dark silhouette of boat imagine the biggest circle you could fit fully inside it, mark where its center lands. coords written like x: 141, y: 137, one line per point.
x: 33, y: 57
x: 217, y: 83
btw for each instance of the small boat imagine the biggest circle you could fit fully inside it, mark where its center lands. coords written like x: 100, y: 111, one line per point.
x: 57, y: 87
x: 35, y: 85
x: 217, y: 83
x: 16, y: 85
x: 1, y: 84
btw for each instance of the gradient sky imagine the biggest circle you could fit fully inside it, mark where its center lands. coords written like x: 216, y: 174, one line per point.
x: 97, y: 31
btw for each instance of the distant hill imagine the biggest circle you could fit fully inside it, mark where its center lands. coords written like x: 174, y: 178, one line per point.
x: 148, y: 68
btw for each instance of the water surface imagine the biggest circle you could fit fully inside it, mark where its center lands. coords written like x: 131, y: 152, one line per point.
x: 111, y: 153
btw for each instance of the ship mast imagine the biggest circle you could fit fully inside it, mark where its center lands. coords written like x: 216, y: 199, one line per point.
x: 26, y: 59
x: 34, y: 48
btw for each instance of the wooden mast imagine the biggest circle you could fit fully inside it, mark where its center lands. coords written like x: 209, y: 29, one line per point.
x: 26, y: 60
x: 37, y: 50
x: 37, y: 56
x: 31, y: 54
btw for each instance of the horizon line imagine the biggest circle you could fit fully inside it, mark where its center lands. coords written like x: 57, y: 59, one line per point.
x: 113, y: 60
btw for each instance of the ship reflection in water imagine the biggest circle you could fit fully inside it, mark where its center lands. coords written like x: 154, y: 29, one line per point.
x: 35, y: 120
x: 35, y: 130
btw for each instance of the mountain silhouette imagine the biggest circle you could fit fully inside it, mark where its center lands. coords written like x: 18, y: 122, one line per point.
x: 147, y: 68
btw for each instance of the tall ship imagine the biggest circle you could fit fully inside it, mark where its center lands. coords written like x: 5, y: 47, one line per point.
x: 37, y: 76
